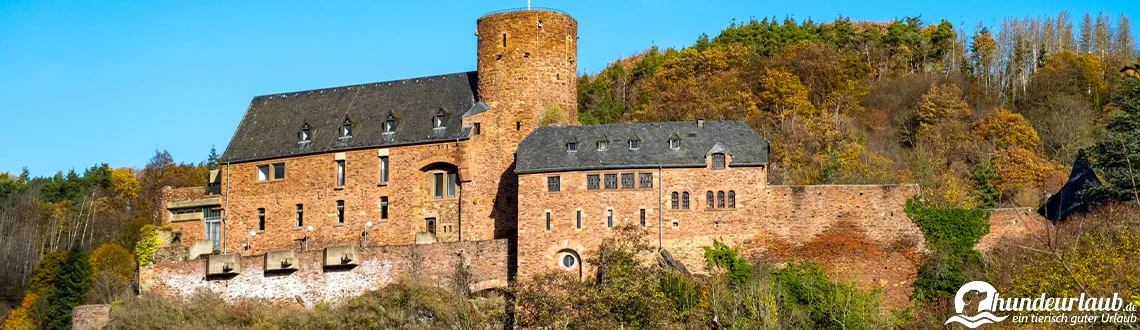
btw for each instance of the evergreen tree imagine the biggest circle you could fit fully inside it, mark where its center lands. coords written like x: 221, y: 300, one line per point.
x: 1116, y: 156
x: 71, y: 284
x: 212, y: 160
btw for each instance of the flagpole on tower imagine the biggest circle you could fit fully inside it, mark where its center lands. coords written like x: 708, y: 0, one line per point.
x: 527, y: 4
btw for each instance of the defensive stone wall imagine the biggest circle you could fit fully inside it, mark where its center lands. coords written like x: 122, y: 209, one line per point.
x: 312, y: 282
x: 1014, y: 223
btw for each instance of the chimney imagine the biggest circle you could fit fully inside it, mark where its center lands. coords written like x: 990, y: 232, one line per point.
x: 701, y: 123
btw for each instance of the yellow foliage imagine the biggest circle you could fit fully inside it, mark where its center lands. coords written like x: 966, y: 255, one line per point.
x: 942, y: 102
x: 124, y: 183
x: 21, y: 317
x: 784, y: 95
x: 1005, y: 129
x: 113, y: 258
x: 1017, y: 168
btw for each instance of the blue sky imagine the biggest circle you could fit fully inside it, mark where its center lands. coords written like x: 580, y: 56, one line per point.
x: 88, y: 82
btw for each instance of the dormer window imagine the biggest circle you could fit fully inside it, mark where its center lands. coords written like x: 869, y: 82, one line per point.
x: 718, y: 161
x: 602, y: 145
x: 571, y: 146
x: 674, y: 144
x: 346, y: 128
x: 390, y: 124
x: 439, y: 119
x: 306, y: 134
x: 634, y: 144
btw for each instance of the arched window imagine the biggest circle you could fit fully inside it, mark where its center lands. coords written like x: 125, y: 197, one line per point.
x: 709, y: 198
x: 673, y: 201
x: 720, y: 199
x: 685, y: 200
x: 731, y: 199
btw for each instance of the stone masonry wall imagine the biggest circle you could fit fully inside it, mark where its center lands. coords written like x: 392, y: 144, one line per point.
x: 1012, y: 223
x: 191, y: 230
x: 311, y: 181
x: 858, y: 233
x: 312, y: 284
x: 90, y: 317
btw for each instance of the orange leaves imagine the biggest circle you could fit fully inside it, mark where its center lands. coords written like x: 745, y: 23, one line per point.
x: 942, y: 102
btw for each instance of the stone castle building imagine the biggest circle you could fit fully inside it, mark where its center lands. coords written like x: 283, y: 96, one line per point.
x: 323, y: 193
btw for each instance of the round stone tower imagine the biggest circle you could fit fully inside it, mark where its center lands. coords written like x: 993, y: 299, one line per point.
x: 528, y: 67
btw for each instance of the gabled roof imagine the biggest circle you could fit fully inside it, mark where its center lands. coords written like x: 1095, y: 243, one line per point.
x: 544, y: 150
x: 271, y: 125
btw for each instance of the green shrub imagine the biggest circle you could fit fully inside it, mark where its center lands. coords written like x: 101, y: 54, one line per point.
x: 148, y: 244
x: 829, y: 304
x: 720, y: 256
x: 951, y: 235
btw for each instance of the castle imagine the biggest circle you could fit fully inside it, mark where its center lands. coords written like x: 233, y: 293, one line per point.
x: 324, y: 194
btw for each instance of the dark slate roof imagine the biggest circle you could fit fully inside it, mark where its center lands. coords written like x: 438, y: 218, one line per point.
x: 272, y: 124
x: 544, y: 150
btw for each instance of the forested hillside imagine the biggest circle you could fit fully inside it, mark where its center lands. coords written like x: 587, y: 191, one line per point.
x: 66, y: 240
x: 986, y: 118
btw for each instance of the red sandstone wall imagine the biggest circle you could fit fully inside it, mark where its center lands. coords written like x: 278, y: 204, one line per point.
x: 311, y: 284
x: 859, y: 233
x: 191, y: 230
x: 311, y: 181
x: 1012, y: 223
x: 90, y: 317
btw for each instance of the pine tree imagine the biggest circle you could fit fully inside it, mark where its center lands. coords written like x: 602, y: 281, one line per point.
x: 1116, y: 157
x: 212, y: 160
x: 70, y: 289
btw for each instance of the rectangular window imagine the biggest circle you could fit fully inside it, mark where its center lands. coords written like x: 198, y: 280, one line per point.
x: 384, y: 208
x: 548, y: 220
x: 451, y: 183
x: 592, y: 181
x: 340, y: 212
x: 627, y: 181
x: 646, y: 180
x: 263, y: 173
x: 438, y: 180
x: 642, y: 217
x: 478, y: 129
x: 610, y: 218
x: 578, y: 220
x: 429, y: 225
x: 279, y: 171
x: 300, y: 215
x: 718, y: 161
x: 383, y: 169
x: 611, y: 181
x: 260, y: 219
x: 553, y: 183
x: 340, y: 174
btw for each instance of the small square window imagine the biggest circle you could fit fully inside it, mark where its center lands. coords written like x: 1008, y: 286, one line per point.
x: 306, y: 134
x: 603, y: 145
x: 634, y: 144
x: 346, y: 130
x: 674, y: 144
x: 279, y: 171
x: 263, y: 173
x: 571, y: 146
x: 553, y: 183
